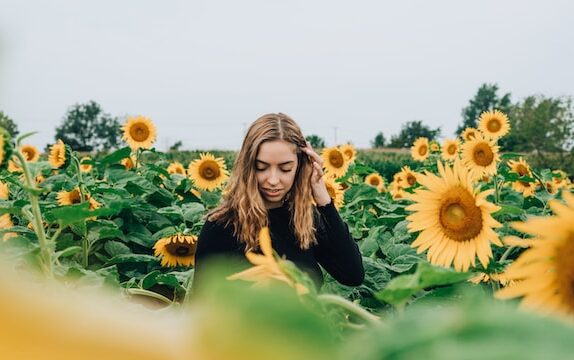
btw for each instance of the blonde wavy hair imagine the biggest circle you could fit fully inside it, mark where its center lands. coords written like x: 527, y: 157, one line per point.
x: 242, y: 206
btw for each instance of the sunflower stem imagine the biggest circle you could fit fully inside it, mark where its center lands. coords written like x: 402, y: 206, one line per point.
x: 496, y: 190
x: 188, y: 284
x: 151, y: 294
x: 506, y: 253
x: 82, y: 191
x: 46, y: 245
x: 350, y: 307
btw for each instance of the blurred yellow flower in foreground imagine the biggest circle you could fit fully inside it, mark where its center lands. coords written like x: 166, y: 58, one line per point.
x: 266, y: 268
x: 544, y: 274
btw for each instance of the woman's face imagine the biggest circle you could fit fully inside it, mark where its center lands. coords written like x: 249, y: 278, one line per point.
x: 275, y: 169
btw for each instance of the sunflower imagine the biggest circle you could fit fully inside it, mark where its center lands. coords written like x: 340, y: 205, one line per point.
x: 544, y: 273
x: 139, y: 132
x: 6, y: 223
x: 551, y: 187
x: 13, y: 166
x: 84, y: 165
x: 420, y: 149
x: 469, y: 134
x: 129, y: 162
x: 207, y: 172
x: 73, y: 197
x: 266, y: 266
x: 57, y: 156
x: 176, y: 168
x: 519, y: 167
x: 434, y: 147
x: 398, y: 193
x: 30, y: 152
x: 375, y: 180
x: 494, y: 124
x: 176, y: 250
x: 407, y: 177
x: 4, y: 192
x: 454, y: 219
x: 526, y: 188
x: 560, y: 178
x: 349, y: 151
x: 450, y: 149
x: 480, y: 155
x: 335, y: 162
x: 335, y: 191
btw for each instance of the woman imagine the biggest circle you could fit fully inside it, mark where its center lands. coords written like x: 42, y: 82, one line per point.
x: 275, y: 180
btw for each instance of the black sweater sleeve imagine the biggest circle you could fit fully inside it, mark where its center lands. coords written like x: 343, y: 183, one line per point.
x: 213, y: 241
x: 336, y: 250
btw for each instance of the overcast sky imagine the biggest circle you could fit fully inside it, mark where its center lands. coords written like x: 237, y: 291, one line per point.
x: 204, y: 70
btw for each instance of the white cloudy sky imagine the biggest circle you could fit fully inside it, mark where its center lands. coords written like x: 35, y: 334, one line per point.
x: 203, y: 70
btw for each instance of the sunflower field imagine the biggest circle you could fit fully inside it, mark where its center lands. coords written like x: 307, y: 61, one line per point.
x: 468, y: 253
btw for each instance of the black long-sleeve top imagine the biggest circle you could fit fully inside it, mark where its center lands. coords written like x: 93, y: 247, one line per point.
x: 335, y: 250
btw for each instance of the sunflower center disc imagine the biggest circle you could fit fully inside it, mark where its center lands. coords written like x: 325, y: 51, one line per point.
x: 483, y: 155
x: 374, y: 181
x: 451, y: 149
x: 494, y: 125
x: 336, y: 159
x: 423, y: 150
x: 75, y: 197
x: 411, y: 179
x: 28, y: 155
x: 460, y: 218
x: 521, y: 170
x: 209, y: 171
x: 565, y: 271
x: 179, y: 249
x: 139, y: 132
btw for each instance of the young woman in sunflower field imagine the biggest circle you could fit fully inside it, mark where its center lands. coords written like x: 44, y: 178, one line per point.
x: 277, y: 182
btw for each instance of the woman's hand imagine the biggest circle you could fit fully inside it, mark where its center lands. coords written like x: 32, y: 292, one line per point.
x: 320, y: 193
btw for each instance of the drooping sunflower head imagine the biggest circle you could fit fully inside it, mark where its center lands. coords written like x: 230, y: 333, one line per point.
x: 59, y: 156
x: 481, y: 156
x: 560, y: 178
x: 176, y: 168
x: 335, y: 191
x: 85, y: 164
x: 494, y: 124
x: 176, y: 250
x: 526, y: 188
x: 519, y: 167
x: 407, y: 177
x: 139, y: 132
x: 434, y: 147
x: 349, y: 151
x: 420, y: 149
x: 335, y: 162
x: 551, y: 187
x: 69, y: 197
x: 30, y: 152
x: 450, y: 149
x: 207, y: 172
x: 376, y: 180
x: 453, y: 218
x: 468, y: 134
x: 543, y: 274
x: 13, y: 166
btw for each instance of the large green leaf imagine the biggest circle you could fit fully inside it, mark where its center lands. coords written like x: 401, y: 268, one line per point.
x: 403, y: 287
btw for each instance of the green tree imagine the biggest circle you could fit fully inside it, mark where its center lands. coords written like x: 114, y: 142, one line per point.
x: 87, y: 128
x: 411, y: 131
x: 379, y: 140
x: 485, y: 99
x: 176, y: 146
x: 316, y: 141
x: 8, y: 124
x: 545, y: 127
